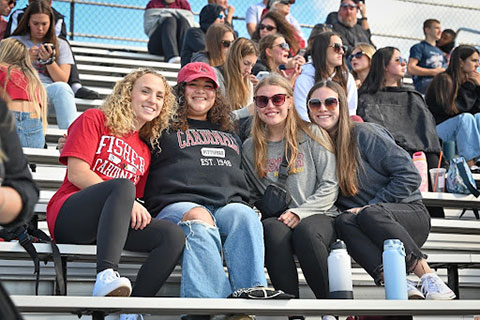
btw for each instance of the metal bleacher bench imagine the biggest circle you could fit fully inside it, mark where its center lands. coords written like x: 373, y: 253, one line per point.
x: 100, y: 307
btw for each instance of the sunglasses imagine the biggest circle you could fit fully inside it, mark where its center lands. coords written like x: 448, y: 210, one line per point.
x: 401, y: 60
x: 287, y: 1
x: 226, y: 43
x: 337, y: 47
x: 277, y: 99
x: 329, y: 103
x: 348, y: 5
x: 357, y: 55
x: 220, y: 16
x: 283, y: 45
x: 269, y: 28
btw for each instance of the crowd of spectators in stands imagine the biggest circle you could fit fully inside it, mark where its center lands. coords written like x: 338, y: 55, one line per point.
x: 242, y: 108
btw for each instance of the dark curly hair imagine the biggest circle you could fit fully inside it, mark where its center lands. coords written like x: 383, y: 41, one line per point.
x: 283, y: 27
x: 220, y: 114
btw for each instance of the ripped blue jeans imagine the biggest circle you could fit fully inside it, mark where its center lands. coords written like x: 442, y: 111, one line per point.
x: 238, y: 228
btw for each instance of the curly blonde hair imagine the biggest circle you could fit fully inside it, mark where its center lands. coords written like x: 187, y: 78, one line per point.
x: 119, y: 114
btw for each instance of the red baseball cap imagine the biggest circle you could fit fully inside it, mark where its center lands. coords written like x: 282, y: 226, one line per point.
x: 195, y: 70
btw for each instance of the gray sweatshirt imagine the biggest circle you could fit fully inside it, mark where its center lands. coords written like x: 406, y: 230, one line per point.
x: 388, y: 174
x: 314, y: 186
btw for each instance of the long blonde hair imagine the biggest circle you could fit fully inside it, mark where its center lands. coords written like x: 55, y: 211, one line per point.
x: 120, y: 117
x: 293, y: 127
x: 238, y: 88
x: 14, y: 54
x: 346, y: 149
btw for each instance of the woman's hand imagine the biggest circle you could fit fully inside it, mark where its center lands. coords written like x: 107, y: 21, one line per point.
x: 45, y: 51
x: 475, y: 77
x: 290, y: 219
x: 140, y: 216
x: 253, y: 80
x: 61, y: 143
x: 357, y: 210
x: 292, y: 77
x: 294, y: 61
x: 33, y: 52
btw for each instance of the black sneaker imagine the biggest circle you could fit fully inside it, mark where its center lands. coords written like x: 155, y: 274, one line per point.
x: 261, y: 293
x: 85, y: 93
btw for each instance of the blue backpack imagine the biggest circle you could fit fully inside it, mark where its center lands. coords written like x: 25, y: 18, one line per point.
x: 460, y: 179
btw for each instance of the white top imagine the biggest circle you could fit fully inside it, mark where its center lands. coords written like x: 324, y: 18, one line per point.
x: 305, y: 82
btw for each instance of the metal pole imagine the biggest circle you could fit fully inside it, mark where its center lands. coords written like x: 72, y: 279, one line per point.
x: 72, y: 17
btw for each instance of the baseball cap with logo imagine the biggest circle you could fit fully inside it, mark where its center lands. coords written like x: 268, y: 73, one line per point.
x: 195, y: 70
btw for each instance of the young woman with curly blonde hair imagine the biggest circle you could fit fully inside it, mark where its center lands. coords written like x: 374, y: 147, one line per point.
x: 107, y: 164
x: 21, y: 87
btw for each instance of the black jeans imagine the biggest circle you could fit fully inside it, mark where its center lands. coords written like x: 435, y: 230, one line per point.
x: 365, y: 232
x: 101, y: 213
x: 310, y: 241
x: 167, y: 39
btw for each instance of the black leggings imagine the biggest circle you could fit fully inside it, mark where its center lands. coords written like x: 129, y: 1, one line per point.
x: 101, y: 213
x: 167, y: 39
x: 310, y: 241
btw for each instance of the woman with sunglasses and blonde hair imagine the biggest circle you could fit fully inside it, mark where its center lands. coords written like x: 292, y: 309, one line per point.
x: 360, y: 61
x: 401, y: 110
x: 274, y: 53
x: 218, y: 40
x: 26, y: 96
x: 379, y: 193
x: 327, y: 63
x: 306, y: 228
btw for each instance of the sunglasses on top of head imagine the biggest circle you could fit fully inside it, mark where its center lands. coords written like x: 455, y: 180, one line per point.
x: 277, y: 100
x: 269, y: 28
x: 226, y: 43
x: 330, y: 103
x: 337, y: 47
x: 357, y: 55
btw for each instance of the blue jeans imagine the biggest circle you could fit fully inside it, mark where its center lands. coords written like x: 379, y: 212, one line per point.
x: 464, y: 129
x: 240, y: 231
x: 61, y: 98
x: 29, y: 130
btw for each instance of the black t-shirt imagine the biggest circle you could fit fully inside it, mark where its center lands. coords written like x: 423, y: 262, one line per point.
x: 201, y: 165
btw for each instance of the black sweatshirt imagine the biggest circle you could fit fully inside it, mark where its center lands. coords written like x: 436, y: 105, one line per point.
x: 200, y: 165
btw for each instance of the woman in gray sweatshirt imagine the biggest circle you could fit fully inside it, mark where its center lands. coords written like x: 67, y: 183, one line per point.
x: 378, y: 192
x: 306, y: 228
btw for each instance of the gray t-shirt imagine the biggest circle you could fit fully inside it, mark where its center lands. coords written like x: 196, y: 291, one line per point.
x: 64, y: 56
x: 313, y: 187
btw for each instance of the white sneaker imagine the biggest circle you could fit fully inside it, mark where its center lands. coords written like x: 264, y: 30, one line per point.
x: 109, y: 283
x: 434, y: 288
x: 175, y: 59
x: 131, y: 316
x: 329, y: 318
x: 413, y: 292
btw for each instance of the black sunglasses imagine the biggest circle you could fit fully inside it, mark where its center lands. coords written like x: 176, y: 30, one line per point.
x: 269, y: 28
x: 329, y: 103
x: 277, y: 100
x: 226, y: 43
x: 287, y: 1
x: 357, y: 55
x: 337, y: 47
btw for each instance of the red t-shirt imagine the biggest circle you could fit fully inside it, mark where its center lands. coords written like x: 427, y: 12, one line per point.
x: 108, y: 156
x: 16, y: 85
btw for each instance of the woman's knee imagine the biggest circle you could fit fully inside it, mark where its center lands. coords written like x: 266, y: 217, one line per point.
x: 122, y: 187
x: 198, y: 213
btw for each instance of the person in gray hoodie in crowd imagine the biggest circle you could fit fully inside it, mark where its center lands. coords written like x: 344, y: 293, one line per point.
x: 306, y: 228
x: 379, y: 193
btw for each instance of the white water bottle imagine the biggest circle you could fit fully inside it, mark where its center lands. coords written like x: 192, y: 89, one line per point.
x: 394, y: 271
x: 340, y: 271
